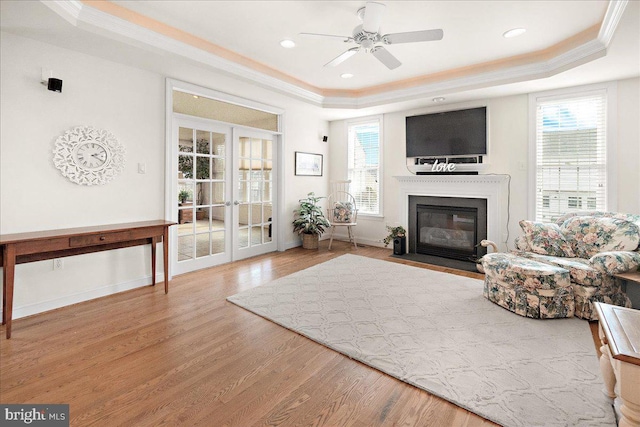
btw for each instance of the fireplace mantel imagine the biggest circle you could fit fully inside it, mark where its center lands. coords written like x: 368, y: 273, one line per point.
x: 493, y: 188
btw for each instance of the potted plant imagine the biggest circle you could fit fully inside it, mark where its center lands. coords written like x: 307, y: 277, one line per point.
x: 310, y: 221
x: 184, y: 195
x: 398, y: 235
x: 184, y: 215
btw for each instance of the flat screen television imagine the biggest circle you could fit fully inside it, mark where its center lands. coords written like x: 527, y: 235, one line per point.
x: 450, y: 133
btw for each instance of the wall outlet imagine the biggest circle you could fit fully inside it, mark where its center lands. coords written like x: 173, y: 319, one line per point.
x: 58, y: 264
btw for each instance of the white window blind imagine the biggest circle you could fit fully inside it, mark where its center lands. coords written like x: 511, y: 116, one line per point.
x: 571, y: 168
x: 364, y: 166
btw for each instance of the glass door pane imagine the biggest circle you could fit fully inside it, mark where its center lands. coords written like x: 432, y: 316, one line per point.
x: 203, y: 236
x: 223, y: 194
x: 186, y: 226
x: 254, y: 194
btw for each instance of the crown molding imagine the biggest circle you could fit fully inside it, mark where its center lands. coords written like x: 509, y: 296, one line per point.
x: 89, y: 18
x: 611, y: 20
x: 584, y: 53
x: 92, y: 19
x: 68, y: 10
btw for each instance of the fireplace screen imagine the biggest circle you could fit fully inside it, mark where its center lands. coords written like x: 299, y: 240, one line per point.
x: 447, y: 231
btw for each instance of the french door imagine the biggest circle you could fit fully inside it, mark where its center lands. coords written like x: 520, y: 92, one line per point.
x: 254, y: 197
x: 223, y: 193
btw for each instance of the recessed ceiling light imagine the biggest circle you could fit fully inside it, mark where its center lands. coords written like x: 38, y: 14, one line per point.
x: 514, y: 32
x: 438, y: 99
x: 346, y: 75
x: 288, y: 44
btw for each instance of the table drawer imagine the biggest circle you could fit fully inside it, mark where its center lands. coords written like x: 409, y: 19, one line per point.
x: 102, y: 238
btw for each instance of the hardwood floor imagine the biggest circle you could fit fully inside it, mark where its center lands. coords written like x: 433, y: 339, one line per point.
x: 191, y: 358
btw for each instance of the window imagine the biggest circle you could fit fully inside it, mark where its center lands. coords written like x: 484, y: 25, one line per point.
x: 570, y: 153
x: 363, y: 164
x: 575, y: 202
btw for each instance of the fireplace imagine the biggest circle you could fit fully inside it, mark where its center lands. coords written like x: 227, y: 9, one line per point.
x: 447, y: 231
x: 447, y: 228
x: 490, y: 193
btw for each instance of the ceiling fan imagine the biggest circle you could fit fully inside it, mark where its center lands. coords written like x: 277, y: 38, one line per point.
x: 368, y: 38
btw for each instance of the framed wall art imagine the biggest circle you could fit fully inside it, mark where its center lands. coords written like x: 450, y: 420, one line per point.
x: 308, y: 164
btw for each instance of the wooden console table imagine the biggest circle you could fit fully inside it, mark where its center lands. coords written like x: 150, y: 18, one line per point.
x: 619, y: 331
x: 42, y: 245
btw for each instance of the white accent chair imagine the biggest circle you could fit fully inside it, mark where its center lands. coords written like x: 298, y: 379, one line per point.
x: 342, y: 210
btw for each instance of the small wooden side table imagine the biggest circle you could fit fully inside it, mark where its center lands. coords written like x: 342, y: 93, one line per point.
x: 619, y: 331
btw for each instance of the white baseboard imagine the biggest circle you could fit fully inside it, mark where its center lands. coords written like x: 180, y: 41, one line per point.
x: 298, y: 242
x: 368, y: 242
x: 41, y: 307
x: 291, y: 245
x: 340, y: 237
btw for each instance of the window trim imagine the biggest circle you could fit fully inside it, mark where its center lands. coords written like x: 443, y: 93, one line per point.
x: 368, y: 119
x: 610, y: 90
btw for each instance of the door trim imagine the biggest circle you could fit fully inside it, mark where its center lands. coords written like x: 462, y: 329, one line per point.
x: 174, y: 84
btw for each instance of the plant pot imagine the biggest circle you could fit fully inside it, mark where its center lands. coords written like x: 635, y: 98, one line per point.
x: 310, y: 241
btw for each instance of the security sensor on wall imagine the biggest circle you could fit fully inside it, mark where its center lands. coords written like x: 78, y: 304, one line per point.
x: 54, y: 85
x: 50, y: 82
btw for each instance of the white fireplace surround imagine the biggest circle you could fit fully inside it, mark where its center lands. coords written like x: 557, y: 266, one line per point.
x: 493, y: 188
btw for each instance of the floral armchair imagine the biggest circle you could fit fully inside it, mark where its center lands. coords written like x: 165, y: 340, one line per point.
x: 593, y: 246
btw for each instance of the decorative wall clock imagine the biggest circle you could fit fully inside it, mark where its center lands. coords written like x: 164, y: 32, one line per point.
x: 89, y: 156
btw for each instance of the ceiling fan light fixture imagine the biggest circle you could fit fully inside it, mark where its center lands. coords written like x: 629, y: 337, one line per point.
x: 346, y: 75
x: 368, y: 37
x: 288, y: 44
x: 514, y: 32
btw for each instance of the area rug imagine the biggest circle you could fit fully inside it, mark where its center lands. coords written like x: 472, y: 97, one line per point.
x: 435, y: 331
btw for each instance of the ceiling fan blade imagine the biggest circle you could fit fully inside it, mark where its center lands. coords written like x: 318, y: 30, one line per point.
x: 372, y: 16
x: 345, y: 38
x: 413, y: 36
x: 342, y: 57
x: 384, y: 56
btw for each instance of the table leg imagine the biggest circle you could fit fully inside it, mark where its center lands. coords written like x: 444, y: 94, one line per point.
x: 608, y: 377
x: 606, y: 369
x: 630, y: 414
x: 629, y: 386
x: 154, y: 242
x: 165, y: 255
x: 8, y: 274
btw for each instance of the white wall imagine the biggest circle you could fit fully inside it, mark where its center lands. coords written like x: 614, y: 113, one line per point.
x: 629, y: 146
x: 129, y: 102
x: 508, y: 139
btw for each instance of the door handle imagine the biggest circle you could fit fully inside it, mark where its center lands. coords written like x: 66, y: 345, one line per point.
x: 235, y: 202
x: 227, y: 203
